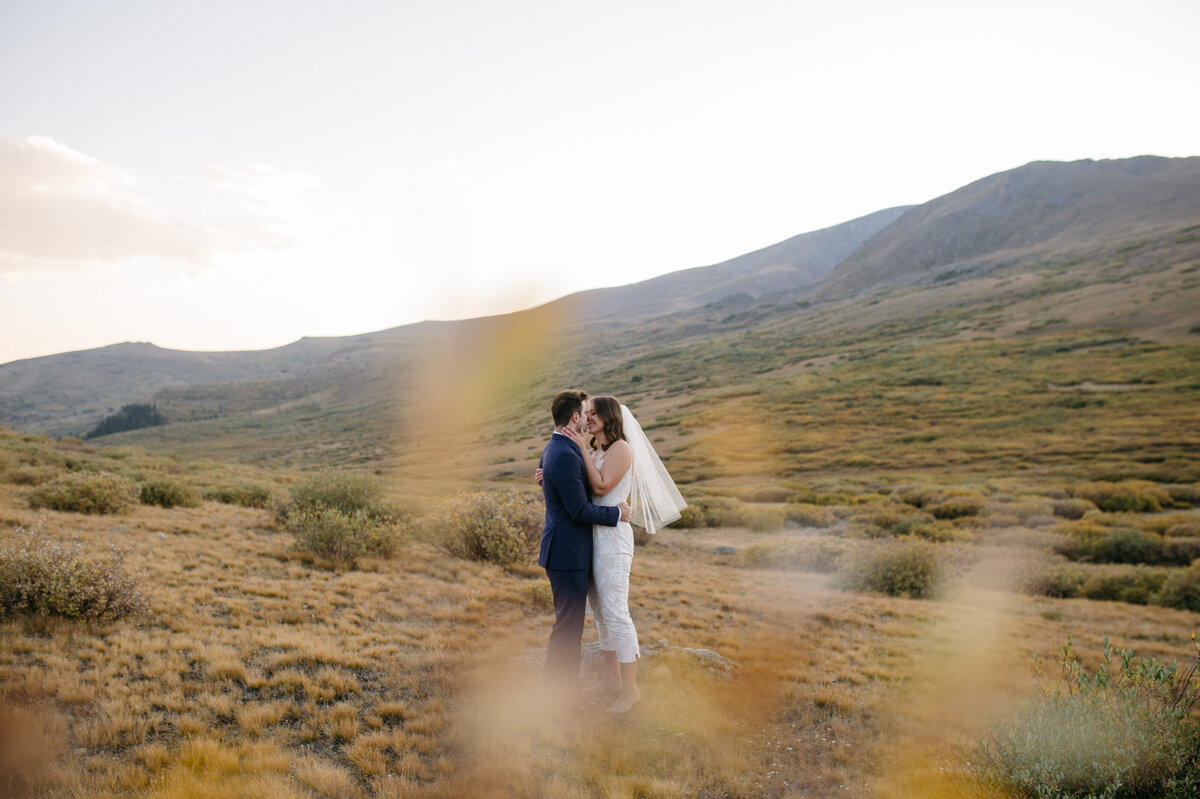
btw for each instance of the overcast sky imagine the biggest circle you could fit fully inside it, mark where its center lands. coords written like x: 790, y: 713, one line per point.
x: 234, y: 175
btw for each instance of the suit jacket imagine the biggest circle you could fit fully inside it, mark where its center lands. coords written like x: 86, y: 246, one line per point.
x: 567, y: 532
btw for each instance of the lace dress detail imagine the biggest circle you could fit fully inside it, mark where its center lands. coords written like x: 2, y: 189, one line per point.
x: 612, y: 558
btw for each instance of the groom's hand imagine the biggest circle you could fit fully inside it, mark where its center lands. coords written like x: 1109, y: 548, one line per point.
x: 625, y: 512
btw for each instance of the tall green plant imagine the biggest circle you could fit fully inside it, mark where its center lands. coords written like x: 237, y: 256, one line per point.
x: 1125, y: 731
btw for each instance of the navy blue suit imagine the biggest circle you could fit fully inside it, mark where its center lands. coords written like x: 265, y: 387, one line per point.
x: 566, y: 550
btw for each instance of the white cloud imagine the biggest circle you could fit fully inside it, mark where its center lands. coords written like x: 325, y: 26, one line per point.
x: 61, y: 209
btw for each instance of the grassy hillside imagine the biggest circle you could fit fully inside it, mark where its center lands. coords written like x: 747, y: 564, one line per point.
x: 254, y: 672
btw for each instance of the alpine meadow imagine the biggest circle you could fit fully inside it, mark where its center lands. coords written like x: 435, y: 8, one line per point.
x: 943, y: 536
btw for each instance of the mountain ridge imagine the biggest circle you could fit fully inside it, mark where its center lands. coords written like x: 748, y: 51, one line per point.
x: 1037, y: 248
x: 1021, y: 213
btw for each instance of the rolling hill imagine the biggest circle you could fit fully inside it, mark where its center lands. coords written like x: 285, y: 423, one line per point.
x: 1044, y: 256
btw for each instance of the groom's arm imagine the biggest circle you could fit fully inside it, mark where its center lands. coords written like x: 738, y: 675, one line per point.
x: 567, y: 478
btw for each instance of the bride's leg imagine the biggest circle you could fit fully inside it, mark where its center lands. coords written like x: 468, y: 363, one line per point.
x: 629, y: 689
x: 611, y: 681
x: 614, y: 595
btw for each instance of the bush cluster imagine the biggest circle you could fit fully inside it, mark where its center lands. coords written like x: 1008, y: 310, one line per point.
x: 773, y: 494
x: 819, y: 554
x: 707, y: 510
x: 807, y: 514
x: 1125, y: 731
x: 348, y: 492
x: 908, y: 568
x: 1181, y: 590
x: 1073, y: 508
x: 168, y: 494
x: 343, y: 537
x: 247, y: 495
x: 341, y: 517
x: 760, y: 518
x: 1088, y: 541
x: 1137, y: 496
x: 1183, y: 494
x: 501, y: 527
x: 957, y: 507
x: 39, y: 577
x: 1137, y: 585
x: 87, y: 492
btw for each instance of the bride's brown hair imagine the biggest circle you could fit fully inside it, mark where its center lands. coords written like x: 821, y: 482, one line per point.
x: 609, y: 411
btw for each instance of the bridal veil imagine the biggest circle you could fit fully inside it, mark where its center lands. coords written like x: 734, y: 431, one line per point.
x: 656, y: 502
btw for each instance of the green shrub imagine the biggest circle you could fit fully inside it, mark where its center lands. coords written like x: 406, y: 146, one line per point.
x: 1167, y: 521
x: 1181, y: 590
x: 957, y: 507
x: 878, y: 520
x: 343, y: 537
x: 29, y: 475
x: 690, y: 517
x: 348, y: 492
x: 1124, y: 731
x: 759, y: 518
x: 1126, y: 546
x: 772, y: 494
x: 1072, y: 508
x: 1058, y: 581
x: 39, y: 577
x: 1136, y: 585
x: 87, y: 492
x: 246, y: 494
x: 910, y: 568
x: 539, y: 595
x: 718, y: 511
x: 1183, y: 495
x: 501, y: 527
x: 803, y: 554
x: 923, y: 525
x: 1137, y: 496
x: 1083, y: 529
x: 168, y: 494
x: 1026, y: 509
x: 920, y: 496
x: 808, y: 515
x: 913, y: 524
x: 1001, y: 519
x: 1180, y: 551
x: 1183, y: 530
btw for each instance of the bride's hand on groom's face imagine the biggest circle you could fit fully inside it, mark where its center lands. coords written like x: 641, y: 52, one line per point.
x: 578, y: 437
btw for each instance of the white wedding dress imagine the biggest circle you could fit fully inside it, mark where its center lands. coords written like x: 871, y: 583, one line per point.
x: 612, y: 558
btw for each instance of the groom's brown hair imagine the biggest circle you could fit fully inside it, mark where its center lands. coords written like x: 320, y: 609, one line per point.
x: 565, y: 405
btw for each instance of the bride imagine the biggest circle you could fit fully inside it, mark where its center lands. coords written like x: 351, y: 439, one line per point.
x: 622, y: 461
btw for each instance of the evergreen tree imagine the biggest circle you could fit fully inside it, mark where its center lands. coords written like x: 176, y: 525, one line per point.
x: 130, y: 417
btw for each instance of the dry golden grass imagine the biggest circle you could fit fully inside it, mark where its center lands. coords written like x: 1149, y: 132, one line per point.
x: 255, y: 675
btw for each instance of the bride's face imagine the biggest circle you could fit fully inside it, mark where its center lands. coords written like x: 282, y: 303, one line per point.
x: 593, y: 425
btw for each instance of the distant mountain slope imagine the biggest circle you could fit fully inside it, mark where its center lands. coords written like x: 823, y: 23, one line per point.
x: 1038, y: 209
x: 793, y: 264
x: 1045, y: 248
x: 71, y: 391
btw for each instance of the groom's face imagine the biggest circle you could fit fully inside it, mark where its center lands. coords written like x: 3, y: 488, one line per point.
x: 579, y: 422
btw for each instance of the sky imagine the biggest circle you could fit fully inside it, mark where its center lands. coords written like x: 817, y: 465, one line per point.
x: 230, y: 175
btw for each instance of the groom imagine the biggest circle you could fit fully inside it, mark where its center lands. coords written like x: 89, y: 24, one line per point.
x: 566, y: 551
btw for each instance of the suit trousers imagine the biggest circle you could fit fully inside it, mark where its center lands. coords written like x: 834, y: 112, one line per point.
x: 569, y: 587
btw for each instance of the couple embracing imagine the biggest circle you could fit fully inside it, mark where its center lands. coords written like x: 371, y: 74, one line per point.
x: 587, y: 538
